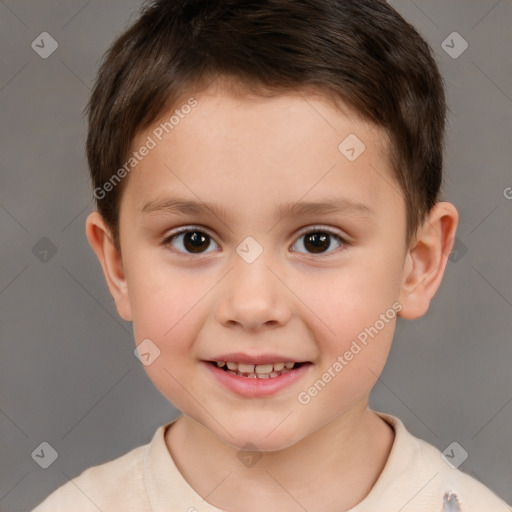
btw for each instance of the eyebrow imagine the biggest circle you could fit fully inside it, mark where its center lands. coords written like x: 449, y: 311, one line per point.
x: 182, y: 206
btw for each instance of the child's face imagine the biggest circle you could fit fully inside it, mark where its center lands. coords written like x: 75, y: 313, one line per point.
x: 304, y: 298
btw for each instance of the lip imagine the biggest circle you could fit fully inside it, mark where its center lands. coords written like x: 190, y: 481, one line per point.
x: 240, y: 357
x: 257, y: 388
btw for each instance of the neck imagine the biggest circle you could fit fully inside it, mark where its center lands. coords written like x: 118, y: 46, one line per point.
x: 331, y: 469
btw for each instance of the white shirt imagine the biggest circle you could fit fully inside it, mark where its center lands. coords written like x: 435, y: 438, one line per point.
x: 415, y: 478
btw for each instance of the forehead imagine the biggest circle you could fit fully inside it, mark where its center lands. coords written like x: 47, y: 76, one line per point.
x: 249, y: 151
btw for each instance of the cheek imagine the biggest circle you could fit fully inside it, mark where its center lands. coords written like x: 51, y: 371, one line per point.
x: 352, y: 359
x: 357, y: 312
x: 165, y: 305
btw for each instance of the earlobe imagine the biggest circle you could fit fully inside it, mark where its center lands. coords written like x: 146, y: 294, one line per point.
x: 426, y: 260
x: 100, y: 239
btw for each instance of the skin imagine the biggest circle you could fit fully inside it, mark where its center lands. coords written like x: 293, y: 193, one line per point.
x: 250, y: 154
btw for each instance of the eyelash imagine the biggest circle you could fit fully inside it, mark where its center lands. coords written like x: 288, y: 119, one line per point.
x: 198, y: 229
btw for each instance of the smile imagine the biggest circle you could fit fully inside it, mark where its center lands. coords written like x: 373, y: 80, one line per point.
x: 257, y: 375
x: 256, y: 371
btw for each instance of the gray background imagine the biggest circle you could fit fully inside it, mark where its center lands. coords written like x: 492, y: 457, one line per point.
x: 68, y: 375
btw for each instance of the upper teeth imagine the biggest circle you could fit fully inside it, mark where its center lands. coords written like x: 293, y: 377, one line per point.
x: 255, y: 368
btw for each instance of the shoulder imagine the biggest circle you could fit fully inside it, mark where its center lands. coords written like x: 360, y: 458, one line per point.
x: 457, y: 488
x: 421, y: 472
x: 106, y: 487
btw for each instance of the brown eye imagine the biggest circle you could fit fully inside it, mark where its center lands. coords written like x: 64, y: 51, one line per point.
x: 319, y: 242
x: 190, y: 241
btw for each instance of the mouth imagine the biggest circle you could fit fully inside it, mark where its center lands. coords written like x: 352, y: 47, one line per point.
x: 257, y: 371
x: 256, y: 376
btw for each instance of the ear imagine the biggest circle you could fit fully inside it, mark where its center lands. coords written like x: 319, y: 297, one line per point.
x: 101, y: 241
x: 426, y: 260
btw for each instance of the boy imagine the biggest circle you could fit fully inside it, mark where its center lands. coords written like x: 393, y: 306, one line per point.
x: 267, y: 175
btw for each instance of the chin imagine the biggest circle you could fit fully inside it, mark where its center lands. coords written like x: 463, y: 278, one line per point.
x: 265, y: 446
x: 252, y: 437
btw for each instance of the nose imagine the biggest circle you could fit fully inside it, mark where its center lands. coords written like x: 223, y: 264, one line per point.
x: 253, y: 297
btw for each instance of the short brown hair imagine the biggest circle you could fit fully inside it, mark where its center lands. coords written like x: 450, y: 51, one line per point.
x: 359, y: 51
